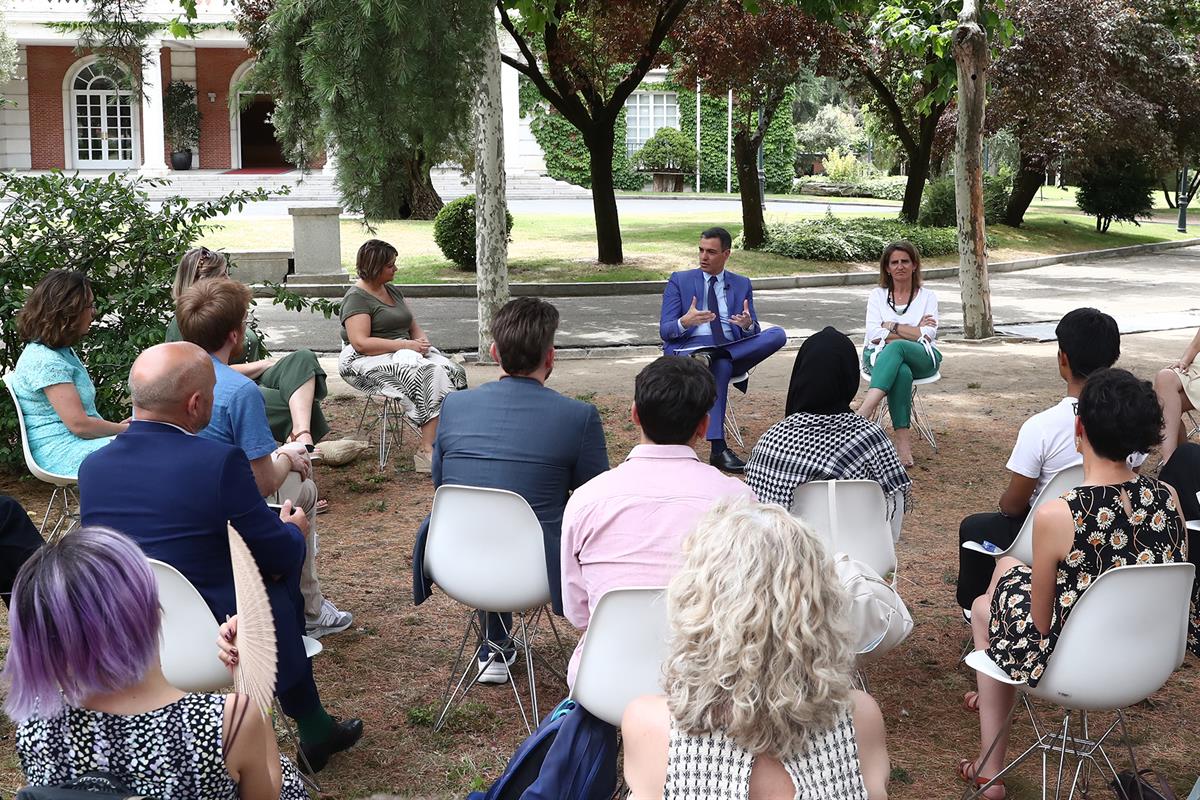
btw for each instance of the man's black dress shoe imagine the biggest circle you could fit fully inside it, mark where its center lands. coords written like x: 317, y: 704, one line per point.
x: 727, y: 461
x: 343, y: 736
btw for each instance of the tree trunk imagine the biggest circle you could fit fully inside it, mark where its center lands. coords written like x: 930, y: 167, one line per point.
x: 599, y: 140
x: 918, y: 173
x: 745, y: 154
x: 971, y: 56
x: 491, y: 207
x: 1026, y: 183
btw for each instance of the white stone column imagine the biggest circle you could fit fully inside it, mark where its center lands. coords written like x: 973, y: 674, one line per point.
x: 317, y: 240
x: 153, y: 138
x: 510, y: 99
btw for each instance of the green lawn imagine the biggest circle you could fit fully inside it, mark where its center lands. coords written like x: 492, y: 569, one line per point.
x: 562, y: 248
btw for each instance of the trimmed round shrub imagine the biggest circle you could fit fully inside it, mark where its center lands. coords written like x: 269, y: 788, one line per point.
x: 937, y: 203
x: 454, y: 231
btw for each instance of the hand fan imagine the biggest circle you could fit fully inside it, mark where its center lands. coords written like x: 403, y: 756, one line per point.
x: 254, y: 674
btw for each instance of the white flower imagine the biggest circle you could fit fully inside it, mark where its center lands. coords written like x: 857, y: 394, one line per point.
x: 1104, y: 518
x: 1159, y: 521
x: 1118, y: 539
x: 1067, y: 598
x: 1145, y: 557
x: 1138, y: 516
x: 1074, y: 558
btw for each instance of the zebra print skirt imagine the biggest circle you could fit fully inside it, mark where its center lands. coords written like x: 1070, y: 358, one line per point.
x: 422, y: 381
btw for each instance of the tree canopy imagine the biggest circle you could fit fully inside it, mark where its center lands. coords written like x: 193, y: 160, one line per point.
x: 387, y: 84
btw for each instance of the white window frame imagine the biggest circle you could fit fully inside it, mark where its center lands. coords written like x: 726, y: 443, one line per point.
x: 647, y: 112
x: 71, y: 127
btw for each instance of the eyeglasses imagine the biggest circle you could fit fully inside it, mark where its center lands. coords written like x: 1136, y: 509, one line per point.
x: 1075, y: 408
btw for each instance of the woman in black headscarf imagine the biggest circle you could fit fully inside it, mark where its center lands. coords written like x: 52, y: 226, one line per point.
x: 821, y: 438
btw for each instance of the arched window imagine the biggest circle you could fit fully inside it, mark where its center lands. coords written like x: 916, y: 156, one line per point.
x: 103, y: 119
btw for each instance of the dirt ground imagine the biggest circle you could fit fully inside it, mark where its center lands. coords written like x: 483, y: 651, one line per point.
x: 390, y: 667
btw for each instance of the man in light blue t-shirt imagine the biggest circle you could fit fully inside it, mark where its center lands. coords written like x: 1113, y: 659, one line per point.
x: 212, y: 314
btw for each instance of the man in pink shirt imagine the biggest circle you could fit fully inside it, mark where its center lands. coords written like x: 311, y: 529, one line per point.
x: 626, y: 527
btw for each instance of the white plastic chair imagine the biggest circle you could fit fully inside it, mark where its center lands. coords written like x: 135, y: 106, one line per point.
x: 623, y: 652
x: 1122, y: 641
x: 64, y: 485
x: 485, y: 550
x: 189, y: 644
x: 390, y: 419
x: 919, y: 421
x: 1022, y: 546
x: 851, y: 517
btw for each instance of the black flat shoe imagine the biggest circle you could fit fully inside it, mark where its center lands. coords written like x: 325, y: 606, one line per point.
x: 343, y: 736
x: 727, y: 461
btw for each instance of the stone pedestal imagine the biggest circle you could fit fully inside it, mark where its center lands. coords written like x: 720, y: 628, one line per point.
x: 317, y: 239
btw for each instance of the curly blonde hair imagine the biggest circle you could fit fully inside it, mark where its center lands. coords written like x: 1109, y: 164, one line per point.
x: 196, y: 265
x: 761, y: 644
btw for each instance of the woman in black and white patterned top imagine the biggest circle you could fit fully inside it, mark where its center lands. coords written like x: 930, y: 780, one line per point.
x: 758, y: 702
x: 88, y: 694
x: 820, y: 438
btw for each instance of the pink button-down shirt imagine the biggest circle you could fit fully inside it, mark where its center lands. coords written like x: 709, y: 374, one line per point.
x: 625, y: 527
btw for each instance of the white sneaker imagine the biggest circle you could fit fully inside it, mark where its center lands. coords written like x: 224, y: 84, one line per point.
x: 496, y: 671
x: 330, y: 620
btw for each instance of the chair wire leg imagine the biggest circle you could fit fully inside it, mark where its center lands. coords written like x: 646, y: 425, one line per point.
x: 1129, y: 747
x: 1062, y: 755
x: 449, y: 697
x: 527, y: 646
x: 496, y: 650
x: 306, y: 773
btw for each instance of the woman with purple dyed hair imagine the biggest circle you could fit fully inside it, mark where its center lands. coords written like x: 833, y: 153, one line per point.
x: 88, y: 694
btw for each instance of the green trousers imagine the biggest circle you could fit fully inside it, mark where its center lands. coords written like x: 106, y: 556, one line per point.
x: 898, y: 363
x: 280, y: 381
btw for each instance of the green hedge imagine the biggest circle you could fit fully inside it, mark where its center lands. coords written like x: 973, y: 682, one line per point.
x: 833, y: 238
x: 891, y: 188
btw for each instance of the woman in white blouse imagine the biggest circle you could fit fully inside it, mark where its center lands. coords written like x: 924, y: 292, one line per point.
x: 901, y: 340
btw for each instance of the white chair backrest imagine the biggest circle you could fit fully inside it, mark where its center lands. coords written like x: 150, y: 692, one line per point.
x: 623, y: 652
x: 485, y: 549
x: 189, y: 634
x: 1123, y: 640
x: 1063, y: 481
x: 30, y: 464
x: 851, y: 517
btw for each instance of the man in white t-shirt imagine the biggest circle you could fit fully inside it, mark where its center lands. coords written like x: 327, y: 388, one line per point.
x: 1088, y: 340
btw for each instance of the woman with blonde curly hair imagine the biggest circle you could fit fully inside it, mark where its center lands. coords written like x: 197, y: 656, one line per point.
x: 758, y: 682
x: 57, y: 396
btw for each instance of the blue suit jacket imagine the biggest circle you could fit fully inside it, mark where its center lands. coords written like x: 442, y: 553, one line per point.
x: 677, y: 297
x: 173, y: 494
x: 516, y: 434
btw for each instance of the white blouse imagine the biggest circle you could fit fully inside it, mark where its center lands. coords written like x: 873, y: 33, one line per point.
x: 880, y: 314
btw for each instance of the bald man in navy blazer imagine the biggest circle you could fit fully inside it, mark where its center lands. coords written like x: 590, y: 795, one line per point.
x: 709, y: 313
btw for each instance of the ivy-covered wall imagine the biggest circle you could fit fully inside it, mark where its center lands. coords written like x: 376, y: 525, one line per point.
x: 567, y: 157
x: 779, y: 146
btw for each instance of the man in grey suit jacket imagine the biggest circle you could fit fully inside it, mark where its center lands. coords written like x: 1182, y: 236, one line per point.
x: 519, y: 435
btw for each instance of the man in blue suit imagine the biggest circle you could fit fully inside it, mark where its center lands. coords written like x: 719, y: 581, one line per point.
x: 709, y: 313
x: 175, y: 493
x: 519, y: 435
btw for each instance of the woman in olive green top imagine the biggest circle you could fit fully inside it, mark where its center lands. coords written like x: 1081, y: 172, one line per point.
x: 387, y: 353
x: 292, y: 386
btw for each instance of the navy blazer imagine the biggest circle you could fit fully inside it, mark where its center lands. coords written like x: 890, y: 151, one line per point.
x: 518, y: 435
x: 677, y: 298
x: 174, y: 494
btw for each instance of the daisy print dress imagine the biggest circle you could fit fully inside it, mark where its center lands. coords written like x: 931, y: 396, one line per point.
x: 1105, y: 537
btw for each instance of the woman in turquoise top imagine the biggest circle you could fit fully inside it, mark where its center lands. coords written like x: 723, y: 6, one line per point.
x: 57, y: 397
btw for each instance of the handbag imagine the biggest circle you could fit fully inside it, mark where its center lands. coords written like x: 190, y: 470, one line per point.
x: 878, y: 617
x: 1130, y: 786
x: 88, y: 786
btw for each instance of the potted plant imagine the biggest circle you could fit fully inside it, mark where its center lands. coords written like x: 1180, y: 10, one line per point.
x: 668, y: 155
x: 181, y: 120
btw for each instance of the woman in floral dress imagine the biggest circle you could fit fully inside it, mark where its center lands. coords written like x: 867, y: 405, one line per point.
x: 1115, y: 518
